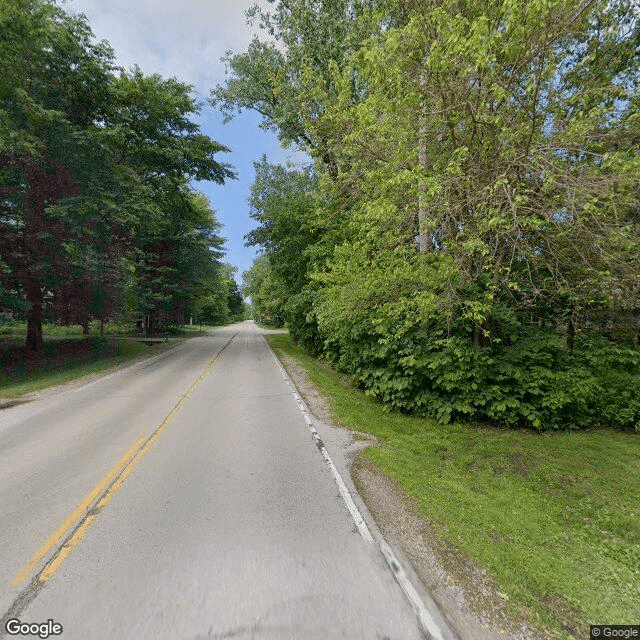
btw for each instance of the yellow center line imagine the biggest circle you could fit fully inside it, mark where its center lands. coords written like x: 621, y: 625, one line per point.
x: 103, y: 491
x: 80, y: 510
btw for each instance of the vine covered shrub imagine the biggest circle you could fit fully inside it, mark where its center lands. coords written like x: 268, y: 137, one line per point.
x: 531, y: 380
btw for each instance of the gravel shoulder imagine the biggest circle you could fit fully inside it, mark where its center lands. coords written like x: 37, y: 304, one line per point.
x: 466, y: 596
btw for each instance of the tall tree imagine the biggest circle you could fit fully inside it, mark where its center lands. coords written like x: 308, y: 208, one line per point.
x: 265, y: 291
x: 54, y: 84
x: 288, y: 76
x: 161, y: 150
x: 474, y: 114
x: 484, y: 173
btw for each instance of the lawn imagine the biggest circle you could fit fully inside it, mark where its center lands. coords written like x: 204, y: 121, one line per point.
x: 69, y: 355
x: 553, y: 518
x: 63, y: 359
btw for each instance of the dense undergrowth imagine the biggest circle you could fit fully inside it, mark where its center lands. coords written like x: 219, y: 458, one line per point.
x: 533, y: 382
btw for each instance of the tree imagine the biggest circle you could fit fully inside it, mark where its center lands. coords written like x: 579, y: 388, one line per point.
x: 266, y: 292
x: 482, y: 194
x: 520, y: 186
x: 288, y: 79
x: 94, y: 167
x: 235, y: 300
x: 296, y: 233
x: 282, y: 201
x: 162, y: 150
x: 53, y: 91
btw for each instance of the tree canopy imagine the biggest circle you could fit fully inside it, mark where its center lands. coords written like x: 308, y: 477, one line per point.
x: 469, y: 247
x: 96, y: 167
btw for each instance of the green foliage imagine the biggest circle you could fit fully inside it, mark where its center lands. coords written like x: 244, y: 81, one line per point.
x: 534, y: 381
x: 265, y: 291
x: 476, y: 173
x: 95, y: 206
x: 288, y: 89
x: 283, y: 202
x: 221, y: 301
x: 302, y: 321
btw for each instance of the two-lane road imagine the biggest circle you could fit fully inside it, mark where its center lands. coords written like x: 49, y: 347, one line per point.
x: 184, y: 498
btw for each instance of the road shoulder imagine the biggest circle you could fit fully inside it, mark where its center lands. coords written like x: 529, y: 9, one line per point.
x: 472, y: 604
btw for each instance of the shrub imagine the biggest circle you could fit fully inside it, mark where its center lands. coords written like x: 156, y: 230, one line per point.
x: 531, y: 380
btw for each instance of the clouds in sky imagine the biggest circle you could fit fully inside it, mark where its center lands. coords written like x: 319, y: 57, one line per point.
x: 181, y: 38
x: 185, y: 39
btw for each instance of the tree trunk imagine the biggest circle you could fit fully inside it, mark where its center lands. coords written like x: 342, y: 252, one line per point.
x: 85, y: 328
x: 33, y: 292
x: 571, y: 332
x: 423, y: 219
x: 101, y: 327
x: 150, y: 324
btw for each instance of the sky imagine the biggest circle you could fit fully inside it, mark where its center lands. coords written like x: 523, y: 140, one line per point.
x: 185, y: 39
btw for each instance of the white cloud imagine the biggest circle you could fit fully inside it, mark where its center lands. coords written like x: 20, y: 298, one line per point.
x: 181, y: 38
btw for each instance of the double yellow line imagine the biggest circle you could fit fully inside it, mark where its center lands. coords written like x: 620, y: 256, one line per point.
x: 85, y: 514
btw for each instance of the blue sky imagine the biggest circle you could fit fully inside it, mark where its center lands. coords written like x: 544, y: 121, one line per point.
x: 186, y: 39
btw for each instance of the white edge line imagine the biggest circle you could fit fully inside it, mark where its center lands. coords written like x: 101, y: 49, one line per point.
x: 425, y: 618
x: 342, y: 487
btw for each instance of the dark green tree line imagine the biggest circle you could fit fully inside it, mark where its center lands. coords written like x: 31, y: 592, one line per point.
x: 95, y: 168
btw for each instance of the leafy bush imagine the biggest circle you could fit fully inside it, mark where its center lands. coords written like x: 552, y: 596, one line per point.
x: 532, y: 380
x: 302, y: 322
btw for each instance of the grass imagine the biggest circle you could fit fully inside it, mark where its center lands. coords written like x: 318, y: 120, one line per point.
x: 62, y: 361
x: 68, y: 355
x: 553, y: 518
x: 18, y: 329
x: 195, y: 328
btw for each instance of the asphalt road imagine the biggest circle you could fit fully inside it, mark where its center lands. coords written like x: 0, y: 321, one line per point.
x: 184, y: 498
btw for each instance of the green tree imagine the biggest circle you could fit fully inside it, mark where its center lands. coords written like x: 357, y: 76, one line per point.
x: 161, y: 150
x: 477, y: 169
x: 235, y: 300
x: 492, y: 178
x: 54, y: 85
x: 295, y: 231
x: 522, y: 188
x: 288, y: 77
x: 265, y: 291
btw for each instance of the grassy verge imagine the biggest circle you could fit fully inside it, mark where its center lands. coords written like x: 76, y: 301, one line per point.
x: 553, y: 518
x: 18, y: 329
x: 12, y: 330
x: 197, y: 328
x: 64, y: 360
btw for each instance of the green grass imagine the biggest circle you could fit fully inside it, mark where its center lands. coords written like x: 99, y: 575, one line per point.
x: 55, y: 370
x: 19, y: 329
x: 553, y: 518
x: 195, y: 328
